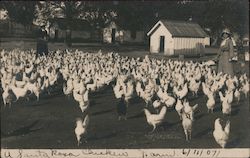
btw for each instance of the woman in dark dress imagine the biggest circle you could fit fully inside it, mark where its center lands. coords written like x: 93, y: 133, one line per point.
x: 42, y: 44
x: 122, y: 108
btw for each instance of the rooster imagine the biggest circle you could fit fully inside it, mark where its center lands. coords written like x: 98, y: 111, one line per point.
x: 81, y: 128
x: 221, y: 135
x: 155, y: 119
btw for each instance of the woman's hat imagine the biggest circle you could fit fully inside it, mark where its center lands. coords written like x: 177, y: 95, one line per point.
x: 227, y: 31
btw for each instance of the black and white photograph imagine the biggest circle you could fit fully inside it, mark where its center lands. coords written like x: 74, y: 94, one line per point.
x: 116, y: 79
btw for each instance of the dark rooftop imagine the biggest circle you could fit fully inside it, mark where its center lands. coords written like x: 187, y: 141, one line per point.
x: 184, y: 28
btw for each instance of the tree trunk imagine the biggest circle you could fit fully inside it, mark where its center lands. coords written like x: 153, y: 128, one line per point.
x: 10, y: 27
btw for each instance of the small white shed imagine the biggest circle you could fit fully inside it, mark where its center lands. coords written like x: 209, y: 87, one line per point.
x: 177, y: 37
x: 113, y: 33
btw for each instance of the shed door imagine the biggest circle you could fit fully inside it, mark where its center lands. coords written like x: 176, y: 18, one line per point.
x: 113, y: 35
x: 162, y: 43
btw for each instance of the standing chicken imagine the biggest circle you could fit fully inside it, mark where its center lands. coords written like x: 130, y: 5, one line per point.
x: 181, y: 93
x: 226, y: 106
x: 237, y: 95
x: 221, y: 136
x: 81, y: 128
x: 189, y: 110
x: 187, y: 123
x: 155, y: 119
x: 210, y: 102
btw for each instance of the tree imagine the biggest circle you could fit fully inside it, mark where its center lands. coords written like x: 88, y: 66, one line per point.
x: 225, y: 13
x: 99, y: 13
x: 44, y: 12
x: 20, y: 11
x: 136, y: 16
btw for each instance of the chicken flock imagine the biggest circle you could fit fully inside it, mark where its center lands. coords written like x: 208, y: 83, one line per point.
x: 162, y: 84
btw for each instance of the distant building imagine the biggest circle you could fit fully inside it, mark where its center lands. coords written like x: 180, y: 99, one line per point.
x: 177, y: 37
x: 246, y: 47
x: 9, y: 28
x: 113, y: 33
x: 80, y: 29
x: 3, y: 14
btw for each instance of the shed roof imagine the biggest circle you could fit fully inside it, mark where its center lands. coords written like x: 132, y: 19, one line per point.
x: 182, y: 28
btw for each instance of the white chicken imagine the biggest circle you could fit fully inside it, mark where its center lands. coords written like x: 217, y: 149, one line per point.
x: 155, y: 119
x: 19, y: 84
x: 194, y: 86
x: 169, y: 101
x: 181, y: 93
x: 226, y: 107
x: 157, y: 104
x: 118, y: 91
x: 83, y: 105
x: 34, y: 88
x: 205, y: 88
x: 221, y: 135
x: 29, y: 69
x: 237, y: 95
x: 92, y: 86
x: 147, y: 96
x: 187, y: 123
x: 139, y: 89
x: 6, y: 96
x: 81, y: 128
x: 210, y: 102
x: 68, y: 88
x: 178, y: 107
x: 245, y: 88
x: 19, y: 92
x: 189, y: 110
x: 78, y: 97
x: 229, y: 96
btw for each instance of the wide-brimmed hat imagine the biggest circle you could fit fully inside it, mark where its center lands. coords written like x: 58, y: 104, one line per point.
x: 227, y: 31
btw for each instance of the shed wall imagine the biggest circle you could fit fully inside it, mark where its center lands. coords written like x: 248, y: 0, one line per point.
x: 155, y: 41
x: 184, y: 45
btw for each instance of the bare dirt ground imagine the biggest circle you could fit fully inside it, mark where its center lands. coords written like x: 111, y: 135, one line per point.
x: 50, y: 123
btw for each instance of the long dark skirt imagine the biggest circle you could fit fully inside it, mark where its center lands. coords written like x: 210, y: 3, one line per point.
x: 224, y: 65
x: 42, y: 47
